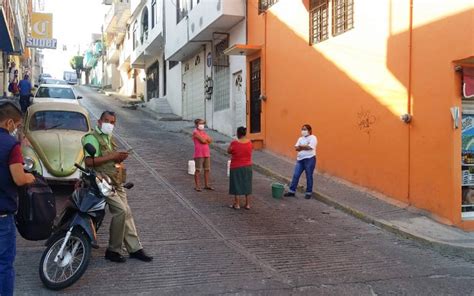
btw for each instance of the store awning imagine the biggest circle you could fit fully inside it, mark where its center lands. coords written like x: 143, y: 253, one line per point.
x: 466, y: 62
x: 6, y: 43
x: 242, y: 50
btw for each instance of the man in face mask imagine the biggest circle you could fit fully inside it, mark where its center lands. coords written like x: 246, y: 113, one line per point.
x: 12, y: 175
x: 108, y: 161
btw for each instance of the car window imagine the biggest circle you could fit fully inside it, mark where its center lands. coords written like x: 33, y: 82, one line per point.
x: 63, y: 120
x: 54, y: 81
x: 55, y: 92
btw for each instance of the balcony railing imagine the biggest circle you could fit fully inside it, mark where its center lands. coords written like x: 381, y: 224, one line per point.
x: 114, y: 15
x: 263, y: 5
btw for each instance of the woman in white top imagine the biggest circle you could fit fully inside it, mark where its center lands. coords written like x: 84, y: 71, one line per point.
x: 306, y: 161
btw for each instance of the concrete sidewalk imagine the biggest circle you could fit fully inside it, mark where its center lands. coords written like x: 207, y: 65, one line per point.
x: 368, y: 206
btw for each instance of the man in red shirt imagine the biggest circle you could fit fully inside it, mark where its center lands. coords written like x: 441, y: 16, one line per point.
x: 12, y: 175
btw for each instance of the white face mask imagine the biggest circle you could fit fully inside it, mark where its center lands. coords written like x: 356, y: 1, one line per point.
x: 107, y: 128
x: 304, y: 133
x: 14, y: 133
x: 201, y: 127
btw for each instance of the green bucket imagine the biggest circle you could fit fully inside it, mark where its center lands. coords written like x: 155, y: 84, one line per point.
x: 277, y: 190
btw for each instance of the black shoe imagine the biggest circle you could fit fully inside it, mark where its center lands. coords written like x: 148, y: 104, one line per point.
x: 289, y: 194
x: 141, y: 255
x: 114, y: 257
x: 308, y: 195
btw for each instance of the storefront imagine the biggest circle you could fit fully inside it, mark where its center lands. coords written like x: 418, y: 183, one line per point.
x: 466, y: 68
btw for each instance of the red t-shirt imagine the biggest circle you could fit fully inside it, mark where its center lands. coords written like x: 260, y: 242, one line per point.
x: 15, y: 155
x: 241, y: 154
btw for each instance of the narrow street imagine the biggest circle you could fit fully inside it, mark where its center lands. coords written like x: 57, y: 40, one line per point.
x: 279, y: 247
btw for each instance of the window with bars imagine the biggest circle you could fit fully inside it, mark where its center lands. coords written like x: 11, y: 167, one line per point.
x: 319, y: 15
x: 342, y: 16
x: 263, y: 5
x: 221, y: 76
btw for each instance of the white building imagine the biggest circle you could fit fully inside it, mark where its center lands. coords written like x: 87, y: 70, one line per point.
x: 114, y: 30
x: 206, y: 83
x: 147, y: 44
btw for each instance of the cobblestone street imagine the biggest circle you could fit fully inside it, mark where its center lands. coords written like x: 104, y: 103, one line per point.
x: 201, y: 247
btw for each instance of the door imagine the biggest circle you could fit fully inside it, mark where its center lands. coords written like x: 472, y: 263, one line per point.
x: 240, y: 116
x: 193, y: 88
x: 255, y: 102
x: 152, y: 81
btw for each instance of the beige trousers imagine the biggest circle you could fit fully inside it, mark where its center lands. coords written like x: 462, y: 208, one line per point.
x: 122, y: 227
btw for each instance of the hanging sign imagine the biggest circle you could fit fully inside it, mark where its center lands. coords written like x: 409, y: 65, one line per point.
x: 41, y: 35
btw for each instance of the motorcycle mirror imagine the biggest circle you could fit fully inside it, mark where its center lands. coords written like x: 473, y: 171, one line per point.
x: 90, y: 149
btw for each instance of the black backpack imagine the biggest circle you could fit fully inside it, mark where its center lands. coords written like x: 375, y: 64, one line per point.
x: 36, y: 210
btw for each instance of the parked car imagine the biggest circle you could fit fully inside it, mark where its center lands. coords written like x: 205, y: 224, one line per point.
x: 52, y: 136
x: 54, y: 81
x: 56, y: 93
x: 42, y: 77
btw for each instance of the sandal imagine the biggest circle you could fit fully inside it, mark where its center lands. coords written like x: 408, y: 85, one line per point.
x: 234, y: 207
x: 246, y: 208
x: 209, y: 188
x: 197, y: 189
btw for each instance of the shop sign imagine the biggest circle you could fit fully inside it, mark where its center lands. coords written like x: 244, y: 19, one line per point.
x: 41, y: 43
x: 41, y: 35
x: 42, y: 25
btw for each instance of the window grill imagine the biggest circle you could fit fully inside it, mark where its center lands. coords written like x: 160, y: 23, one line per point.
x: 319, y: 16
x: 221, y: 59
x: 221, y: 76
x: 342, y: 16
x: 263, y: 5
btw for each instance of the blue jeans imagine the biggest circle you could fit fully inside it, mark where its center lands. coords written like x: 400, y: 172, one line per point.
x: 306, y: 165
x: 7, y: 255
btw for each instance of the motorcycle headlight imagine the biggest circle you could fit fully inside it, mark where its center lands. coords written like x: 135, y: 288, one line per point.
x: 29, y: 164
x: 104, y: 185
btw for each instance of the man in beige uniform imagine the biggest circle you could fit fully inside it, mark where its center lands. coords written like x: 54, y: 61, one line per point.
x: 108, y: 161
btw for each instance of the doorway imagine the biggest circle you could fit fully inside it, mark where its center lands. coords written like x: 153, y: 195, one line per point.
x: 240, y: 116
x: 255, y: 101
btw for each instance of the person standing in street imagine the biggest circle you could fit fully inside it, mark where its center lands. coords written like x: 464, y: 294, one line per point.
x: 109, y: 162
x: 25, y: 93
x: 202, y: 155
x: 306, y: 161
x: 12, y: 175
x: 240, y: 181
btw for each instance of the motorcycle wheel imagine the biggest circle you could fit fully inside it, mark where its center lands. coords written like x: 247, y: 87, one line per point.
x: 69, y: 269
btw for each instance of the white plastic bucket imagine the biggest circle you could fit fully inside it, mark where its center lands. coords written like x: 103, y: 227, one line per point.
x: 191, y: 167
x: 228, y: 168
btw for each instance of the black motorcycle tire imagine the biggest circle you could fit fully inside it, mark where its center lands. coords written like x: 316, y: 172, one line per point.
x: 79, y: 234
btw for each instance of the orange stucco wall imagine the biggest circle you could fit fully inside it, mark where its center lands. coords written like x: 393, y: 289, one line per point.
x: 352, y: 89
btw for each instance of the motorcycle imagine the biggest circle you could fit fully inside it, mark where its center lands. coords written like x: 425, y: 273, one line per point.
x: 68, y: 249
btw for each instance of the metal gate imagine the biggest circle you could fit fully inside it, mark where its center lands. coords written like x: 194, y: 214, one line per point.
x: 255, y: 102
x: 193, y: 87
x: 152, y: 82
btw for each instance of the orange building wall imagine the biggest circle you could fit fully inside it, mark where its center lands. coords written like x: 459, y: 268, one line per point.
x: 352, y: 89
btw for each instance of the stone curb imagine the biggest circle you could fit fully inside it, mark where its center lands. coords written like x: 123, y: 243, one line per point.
x: 445, y: 248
